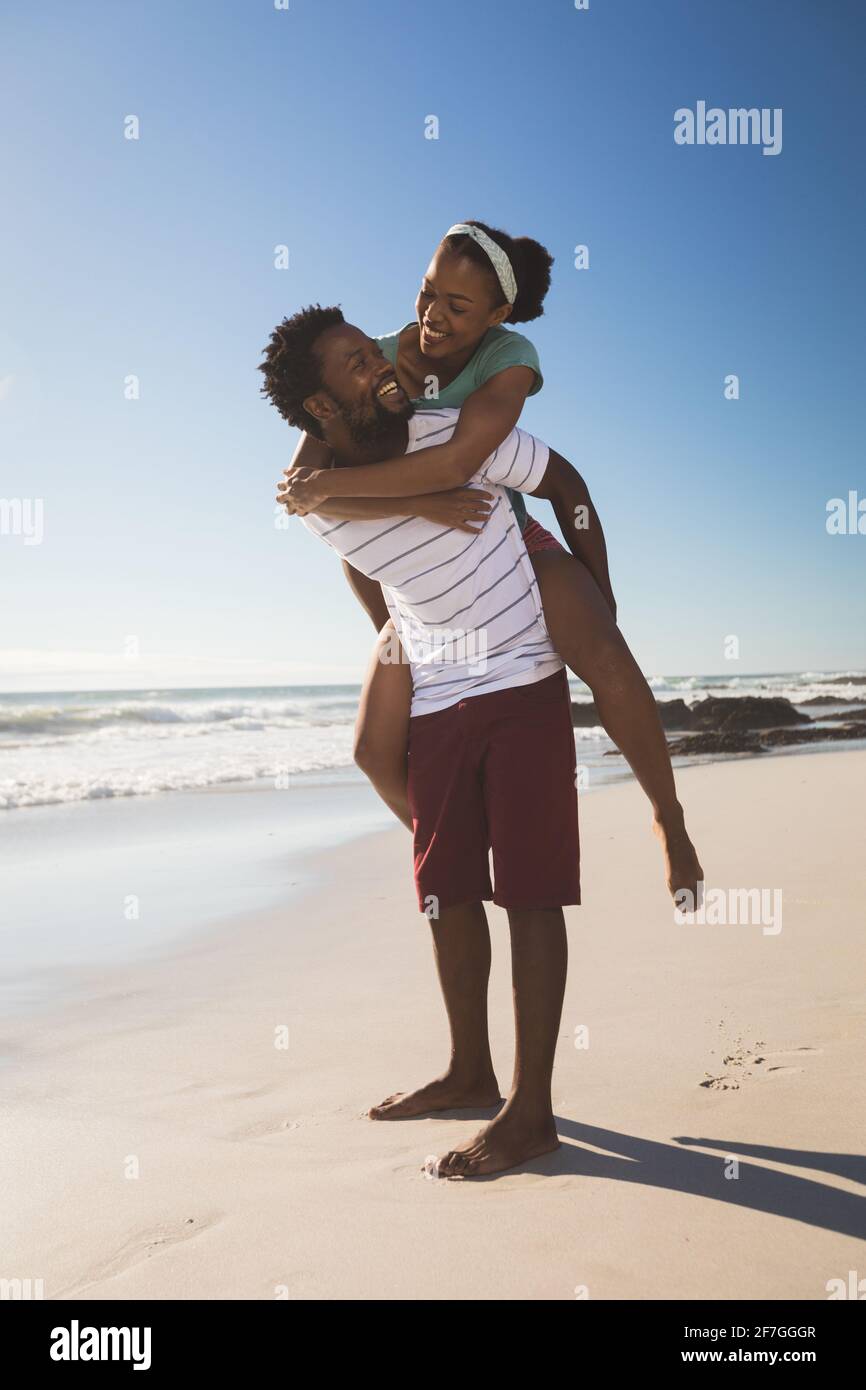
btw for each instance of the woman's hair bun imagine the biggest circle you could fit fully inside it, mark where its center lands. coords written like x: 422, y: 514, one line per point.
x: 530, y: 262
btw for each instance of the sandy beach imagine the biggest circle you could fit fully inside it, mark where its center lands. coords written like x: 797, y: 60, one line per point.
x: 160, y: 1141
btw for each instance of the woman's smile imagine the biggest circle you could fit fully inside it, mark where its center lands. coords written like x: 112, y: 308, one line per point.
x: 433, y: 335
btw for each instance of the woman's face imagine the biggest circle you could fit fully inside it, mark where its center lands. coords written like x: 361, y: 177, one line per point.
x: 455, y: 305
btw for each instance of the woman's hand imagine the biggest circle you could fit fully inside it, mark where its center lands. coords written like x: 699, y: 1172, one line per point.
x: 304, y: 489
x: 285, y: 500
x: 462, y: 508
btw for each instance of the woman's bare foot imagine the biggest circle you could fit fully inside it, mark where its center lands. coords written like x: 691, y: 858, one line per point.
x: 448, y: 1092
x: 512, y: 1138
x: 683, y: 870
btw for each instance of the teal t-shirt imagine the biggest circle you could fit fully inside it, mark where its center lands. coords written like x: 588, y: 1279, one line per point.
x: 498, y: 349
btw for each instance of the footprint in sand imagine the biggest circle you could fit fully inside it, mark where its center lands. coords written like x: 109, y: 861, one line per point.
x: 771, y: 1068
x: 279, y: 1124
x: 141, y: 1246
x: 260, y: 1129
x: 742, y: 1063
x: 218, y: 1091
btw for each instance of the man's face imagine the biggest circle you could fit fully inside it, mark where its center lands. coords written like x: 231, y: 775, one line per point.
x: 360, y: 385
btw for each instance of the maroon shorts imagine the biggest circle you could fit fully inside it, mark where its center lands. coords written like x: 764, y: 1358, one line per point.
x: 496, y: 772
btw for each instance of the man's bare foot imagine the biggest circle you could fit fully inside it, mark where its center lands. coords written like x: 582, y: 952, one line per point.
x: 448, y: 1092
x: 683, y: 872
x: 510, y: 1139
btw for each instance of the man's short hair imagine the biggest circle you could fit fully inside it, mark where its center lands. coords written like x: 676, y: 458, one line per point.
x: 291, y: 366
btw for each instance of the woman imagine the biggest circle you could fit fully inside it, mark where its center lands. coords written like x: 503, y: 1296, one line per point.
x: 456, y: 353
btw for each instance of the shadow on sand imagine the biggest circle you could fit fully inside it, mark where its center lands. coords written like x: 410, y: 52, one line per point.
x: 679, y: 1169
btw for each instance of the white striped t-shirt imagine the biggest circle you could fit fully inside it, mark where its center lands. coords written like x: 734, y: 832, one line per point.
x: 466, y: 607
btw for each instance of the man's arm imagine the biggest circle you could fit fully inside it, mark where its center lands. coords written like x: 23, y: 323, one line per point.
x: 312, y: 453
x: 579, y: 522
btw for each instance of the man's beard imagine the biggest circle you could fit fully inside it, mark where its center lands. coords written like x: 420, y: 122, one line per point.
x: 367, y: 430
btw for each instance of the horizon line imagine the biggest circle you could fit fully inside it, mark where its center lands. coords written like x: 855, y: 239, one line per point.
x: 327, y: 685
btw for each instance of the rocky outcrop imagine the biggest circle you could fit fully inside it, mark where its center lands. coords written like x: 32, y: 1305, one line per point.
x: 675, y: 714
x: 716, y: 741
x: 740, y: 724
x: 719, y: 713
x: 780, y: 738
x: 731, y: 713
x: 584, y: 715
x: 750, y: 741
x: 830, y: 700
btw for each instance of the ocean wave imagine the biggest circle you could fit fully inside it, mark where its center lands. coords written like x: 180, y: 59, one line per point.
x: 88, y: 747
x: 39, y: 790
x: 676, y: 685
x: 70, y: 720
x: 122, y: 759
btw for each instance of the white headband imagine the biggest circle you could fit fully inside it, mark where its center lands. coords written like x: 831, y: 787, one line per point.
x: 498, y: 259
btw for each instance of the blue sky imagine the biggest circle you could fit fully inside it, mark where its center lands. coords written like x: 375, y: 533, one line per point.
x: 305, y: 127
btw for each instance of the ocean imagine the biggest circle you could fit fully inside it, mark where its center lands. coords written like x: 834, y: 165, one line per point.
x: 87, y: 746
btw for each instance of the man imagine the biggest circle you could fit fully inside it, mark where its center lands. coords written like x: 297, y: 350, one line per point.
x: 491, y: 745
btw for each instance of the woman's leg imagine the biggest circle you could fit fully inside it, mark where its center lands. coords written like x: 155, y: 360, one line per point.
x: 382, y: 728
x: 584, y: 632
